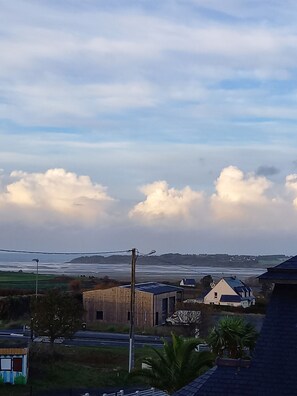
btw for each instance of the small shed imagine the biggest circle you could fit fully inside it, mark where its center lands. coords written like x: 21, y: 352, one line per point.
x: 13, y: 362
x: 188, y: 282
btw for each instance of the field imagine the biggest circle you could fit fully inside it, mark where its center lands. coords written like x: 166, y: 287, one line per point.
x: 75, y: 367
x: 25, y: 283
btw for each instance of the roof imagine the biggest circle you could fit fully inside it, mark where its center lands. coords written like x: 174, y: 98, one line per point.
x: 285, y: 272
x: 236, y: 283
x: 273, y: 367
x: 229, y: 298
x: 189, y: 282
x: 154, y: 287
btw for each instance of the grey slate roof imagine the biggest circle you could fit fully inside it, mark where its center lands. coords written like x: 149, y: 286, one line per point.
x: 227, y: 298
x: 273, y: 369
x: 189, y: 282
x: 155, y: 287
x: 285, y: 272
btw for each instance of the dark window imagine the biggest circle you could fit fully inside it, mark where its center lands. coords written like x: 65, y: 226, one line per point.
x: 99, y: 315
x: 215, y: 295
x: 128, y: 315
x: 17, y: 364
x: 179, y: 296
x: 157, y: 318
x: 171, y: 305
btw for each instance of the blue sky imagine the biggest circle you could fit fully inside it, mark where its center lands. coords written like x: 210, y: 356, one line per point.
x: 167, y: 125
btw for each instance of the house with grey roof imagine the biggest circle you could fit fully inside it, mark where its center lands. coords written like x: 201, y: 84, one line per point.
x: 230, y: 291
x: 272, y: 369
x: 188, y: 282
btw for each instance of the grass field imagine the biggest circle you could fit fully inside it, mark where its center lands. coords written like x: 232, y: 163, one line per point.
x: 76, y: 367
x: 26, y: 282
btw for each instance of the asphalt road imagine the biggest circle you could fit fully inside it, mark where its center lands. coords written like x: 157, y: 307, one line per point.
x: 92, y: 338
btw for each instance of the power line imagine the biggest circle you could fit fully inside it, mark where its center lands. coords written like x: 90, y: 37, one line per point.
x: 65, y: 253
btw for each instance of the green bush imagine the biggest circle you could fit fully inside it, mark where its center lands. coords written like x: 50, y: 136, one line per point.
x: 20, y: 380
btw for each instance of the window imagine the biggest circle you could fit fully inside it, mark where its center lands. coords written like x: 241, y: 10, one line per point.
x: 128, y: 316
x: 99, y: 315
x: 171, y: 305
x: 17, y: 364
x: 215, y: 295
x: 6, y: 364
x: 157, y: 318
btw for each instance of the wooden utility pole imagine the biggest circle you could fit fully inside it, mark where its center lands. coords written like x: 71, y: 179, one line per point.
x: 132, y: 310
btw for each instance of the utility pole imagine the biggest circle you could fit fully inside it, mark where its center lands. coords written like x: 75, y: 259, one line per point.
x: 132, y: 310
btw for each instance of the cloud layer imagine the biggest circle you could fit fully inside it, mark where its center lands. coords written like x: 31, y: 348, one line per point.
x: 55, y: 195
x: 185, y: 110
x: 241, y: 204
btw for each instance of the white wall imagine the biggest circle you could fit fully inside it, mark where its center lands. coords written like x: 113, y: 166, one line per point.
x: 220, y: 288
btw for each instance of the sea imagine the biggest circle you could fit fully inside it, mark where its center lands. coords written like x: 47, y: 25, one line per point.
x: 144, y: 272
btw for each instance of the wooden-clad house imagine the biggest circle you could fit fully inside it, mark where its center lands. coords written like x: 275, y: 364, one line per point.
x: 154, y: 302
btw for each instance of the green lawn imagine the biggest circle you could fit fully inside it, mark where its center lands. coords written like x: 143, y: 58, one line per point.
x: 75, y: 367
x: 27, y: 281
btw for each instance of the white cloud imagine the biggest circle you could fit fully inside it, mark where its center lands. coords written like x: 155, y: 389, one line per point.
x: 234, y: 187
x: 166, y: 204
x: 42, y: 103
x: 241, y: 198
x: 291, y: 184
x: 53, y: 196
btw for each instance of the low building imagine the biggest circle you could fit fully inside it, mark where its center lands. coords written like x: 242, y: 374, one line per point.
x: 187, y: 282
x: 154, y: 302
x: 13, y: 362
x: 230, y: 291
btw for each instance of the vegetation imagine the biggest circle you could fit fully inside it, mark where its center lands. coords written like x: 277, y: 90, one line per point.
x: 75, y: 367
x: 14, y: 307
x: 21, y: 283
x: 214, y: 260
x: 206, y: 281
x: 56, y: 314
x: 175, y: 366
x: 231, y: 336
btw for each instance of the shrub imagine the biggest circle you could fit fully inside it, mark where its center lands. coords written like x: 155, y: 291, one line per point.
x: 20, y: 380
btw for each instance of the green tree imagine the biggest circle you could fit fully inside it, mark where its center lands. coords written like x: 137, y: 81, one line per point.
x: 176, y: 365
x: 56, y: 314
x: 206, y: 281
x: 231, y: 336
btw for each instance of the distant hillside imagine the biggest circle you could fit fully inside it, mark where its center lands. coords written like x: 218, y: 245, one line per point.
x: 215, y: 260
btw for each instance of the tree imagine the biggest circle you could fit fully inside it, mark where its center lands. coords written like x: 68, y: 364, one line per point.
x: 266, y: 288
x: 231, y: 336
x: 176, y: 365
x: 56, y: 314
x: 206, y: 281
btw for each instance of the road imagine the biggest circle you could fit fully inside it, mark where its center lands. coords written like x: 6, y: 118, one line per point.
x: 92, y: 338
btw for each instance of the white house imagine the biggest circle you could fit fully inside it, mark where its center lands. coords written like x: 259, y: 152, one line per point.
x: 230, y: 291
x: 188, y: 282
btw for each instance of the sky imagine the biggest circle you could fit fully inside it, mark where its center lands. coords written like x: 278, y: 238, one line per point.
x: 156, y: 124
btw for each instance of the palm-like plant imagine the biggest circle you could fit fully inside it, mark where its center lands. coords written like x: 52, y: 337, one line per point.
x: 231, y: 336
x: 176, y: 365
